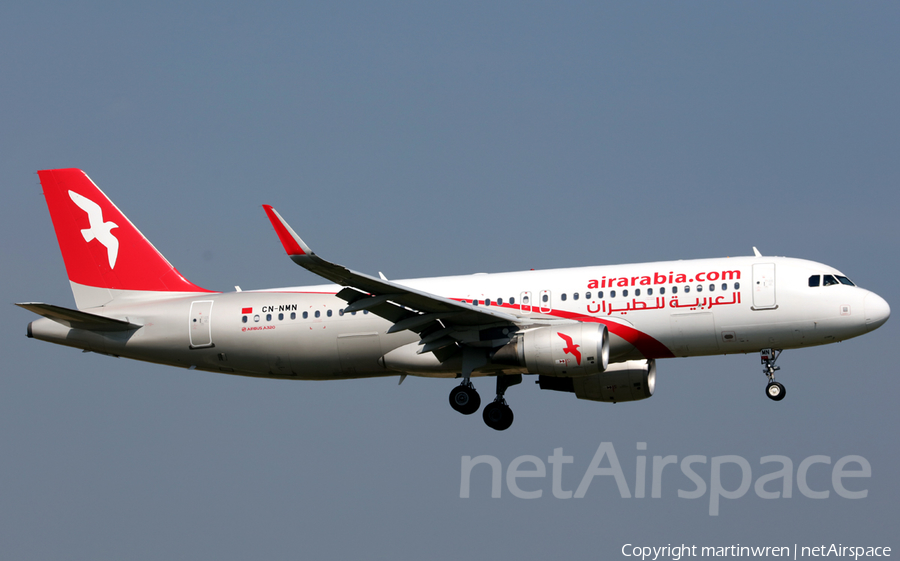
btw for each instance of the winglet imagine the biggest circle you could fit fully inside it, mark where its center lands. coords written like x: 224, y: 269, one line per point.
x: 292, y: 243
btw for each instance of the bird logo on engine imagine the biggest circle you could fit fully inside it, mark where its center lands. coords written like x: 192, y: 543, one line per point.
x: 571, y: 348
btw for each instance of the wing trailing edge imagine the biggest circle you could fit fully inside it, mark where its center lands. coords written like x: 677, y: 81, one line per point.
x: 406, y: 307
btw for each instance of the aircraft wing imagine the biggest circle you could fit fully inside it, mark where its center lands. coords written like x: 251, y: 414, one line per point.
x: 408, y: 308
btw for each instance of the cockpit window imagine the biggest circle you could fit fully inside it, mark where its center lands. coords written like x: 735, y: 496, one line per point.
x: 814, y: 280
x: 828, y: 280
x: 845, y: 280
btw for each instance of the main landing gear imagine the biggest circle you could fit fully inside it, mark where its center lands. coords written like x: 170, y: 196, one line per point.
x: 774, y: 390
x: 464, y: 398
x: 496, y: 414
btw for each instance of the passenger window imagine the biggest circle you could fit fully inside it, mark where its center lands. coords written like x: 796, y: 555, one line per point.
x: 474, y: 302
x: 318, y: 313
x: 724, y: 286
x: 562, y: 297
x: 487, y: 302
x: 305, y: 315
x: 280, y: 317
x: 737, y: 286
x: 600, y: 295
x: 587, y: 295
x: 499, y: 301
x: 712, y: 287
x: 637, y: 291
x: 649, y: 292
x: 625, y: 293
x: 545, y: 297
x: 674, y: 290
x: 328, y: 313
x: 687, y: 289
x: 512, y: 301
x: 268, y: 317
x: 612, y: 293
x: 699, y: 288
x: 341, y: 312
x: 662, y: 290
x: 365, y: 312
x: 814, y: 280
x: 256, y: 318
x: 293, y: 315
x: 244, y: 319
x: 575, y: 296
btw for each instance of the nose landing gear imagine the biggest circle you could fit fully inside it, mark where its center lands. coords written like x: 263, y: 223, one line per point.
x: 774, y: 390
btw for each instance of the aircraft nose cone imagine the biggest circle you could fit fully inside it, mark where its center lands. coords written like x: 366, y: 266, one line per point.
x: 877, y: 311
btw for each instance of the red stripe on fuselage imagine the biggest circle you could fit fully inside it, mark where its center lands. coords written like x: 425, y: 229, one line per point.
x: 647, y: 345
x: 644, y: 343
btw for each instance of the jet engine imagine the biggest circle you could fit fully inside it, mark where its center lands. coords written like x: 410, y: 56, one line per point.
x: 623, y: 381
x: 574, y: 350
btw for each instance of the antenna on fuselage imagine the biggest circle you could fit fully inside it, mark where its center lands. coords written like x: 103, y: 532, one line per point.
x: 756, y: 252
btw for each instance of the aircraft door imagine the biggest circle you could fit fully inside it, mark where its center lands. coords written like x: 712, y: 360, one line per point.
x: 525, y: 302
x: 764, y: 286
x: 200, y: 326
x: 545, y: 302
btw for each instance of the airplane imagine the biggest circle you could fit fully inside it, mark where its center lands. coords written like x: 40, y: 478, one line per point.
x: 594, y: 331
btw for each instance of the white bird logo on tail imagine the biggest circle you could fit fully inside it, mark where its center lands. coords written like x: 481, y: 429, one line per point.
x: 99, y: 229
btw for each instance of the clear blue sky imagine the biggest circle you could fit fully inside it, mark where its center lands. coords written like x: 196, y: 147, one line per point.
x: 425, y: 139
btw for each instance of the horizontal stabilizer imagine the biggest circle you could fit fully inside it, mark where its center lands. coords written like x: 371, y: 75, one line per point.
x: 76, y: 319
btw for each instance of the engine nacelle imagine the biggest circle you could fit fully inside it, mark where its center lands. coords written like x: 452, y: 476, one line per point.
x: 623, y: 381
x: 575, y: 350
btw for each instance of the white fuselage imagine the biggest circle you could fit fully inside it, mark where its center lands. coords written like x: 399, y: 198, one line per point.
x: 652, y: 310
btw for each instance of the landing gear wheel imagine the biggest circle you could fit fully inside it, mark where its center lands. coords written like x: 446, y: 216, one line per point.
x: 498, y: 415
x: 775, y: 391
x: 465, y: 399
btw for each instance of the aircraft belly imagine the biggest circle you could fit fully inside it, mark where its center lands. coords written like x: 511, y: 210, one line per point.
x: 359, y: 353
x: 313, y: 351
x: 693, y: 334
x: 751, y: 338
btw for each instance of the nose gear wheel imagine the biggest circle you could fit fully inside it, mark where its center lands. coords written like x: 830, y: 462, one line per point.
x: 774, y: 390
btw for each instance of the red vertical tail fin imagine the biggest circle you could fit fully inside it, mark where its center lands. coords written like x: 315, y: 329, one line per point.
x: 106, y: 257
